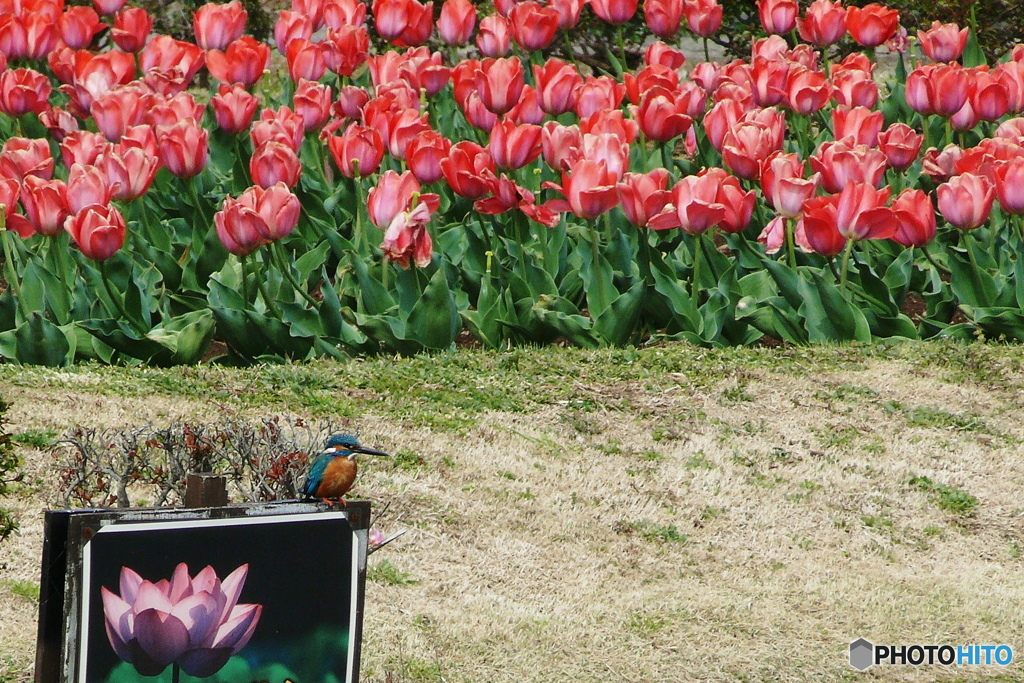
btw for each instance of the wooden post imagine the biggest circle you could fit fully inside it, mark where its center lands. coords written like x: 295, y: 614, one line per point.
x: 206, y: 490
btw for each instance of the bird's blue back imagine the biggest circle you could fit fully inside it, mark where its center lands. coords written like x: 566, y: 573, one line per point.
x: 341, y: 443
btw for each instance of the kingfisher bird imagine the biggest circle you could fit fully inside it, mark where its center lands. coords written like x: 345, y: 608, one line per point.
x: 333, y: 472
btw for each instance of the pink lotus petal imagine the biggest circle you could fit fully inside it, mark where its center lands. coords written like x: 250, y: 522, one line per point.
x: 161, y: 636
x: 201, y: 616
x: 206, y: 580
x: 181, y: 584
x: 130, y: 582
x: 232, y: 585
x: 235, y: 633
x: 150, y: 596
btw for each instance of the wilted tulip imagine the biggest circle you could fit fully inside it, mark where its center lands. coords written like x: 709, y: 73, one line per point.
x: 407, y: 239
x: 195, y: 623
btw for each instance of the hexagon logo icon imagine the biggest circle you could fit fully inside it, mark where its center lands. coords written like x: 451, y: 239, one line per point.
x: 861, y: 654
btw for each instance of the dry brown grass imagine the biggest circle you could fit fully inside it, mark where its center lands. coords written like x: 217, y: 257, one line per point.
x: 744, y: 528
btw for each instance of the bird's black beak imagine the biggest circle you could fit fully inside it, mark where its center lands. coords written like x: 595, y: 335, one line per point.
x: 369, y: 451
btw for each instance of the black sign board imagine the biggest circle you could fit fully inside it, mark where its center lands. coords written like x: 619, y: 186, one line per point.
x: 269, y: 592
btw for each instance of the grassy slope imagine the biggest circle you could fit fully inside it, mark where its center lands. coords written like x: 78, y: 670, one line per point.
x: 665, y: 514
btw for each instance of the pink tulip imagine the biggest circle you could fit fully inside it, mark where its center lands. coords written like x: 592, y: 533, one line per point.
x: 183, y: 148
x: 46, y: 204
x: 274, y: 163
x: 99, y: 231
x: 644, y: 196
x: 916, y: 217
x: 234, y: 108
x: 217, y: 26
x: 965, y: 201
x: 407, y: 238
x: 588, y: 189
x: 456, y: 23
x: 131, y: 29
x: 943, y: 42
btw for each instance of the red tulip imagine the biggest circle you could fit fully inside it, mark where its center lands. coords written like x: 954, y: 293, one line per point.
x: 861, y: 213
x: 611, y: 121
x: 703, y: 16
x: 644, y: 196
x: 722, y: 118
x: 59, y: 122
x: 118, y: 110
x: 807, y: 91
x: 305, y: 60
x: 854, y: 88
x: 783, y: 184
x: 588, y: 189
x: 346, y: 49
x: 650, y: 77
x: 663, y: 17
x: 358, y: 151
x: 456, y: 23
x: 314, y: 9
x: 824, y: 23
x: 513, y: 146
x: 1011, y: 75
x: 872, y: 24
x: 393, y: 17
x: 598, y: 93
x: 95, y: 75
x: 916, y: 217
x: 1012, y: 130
x: 424, y: 70
x: 41, y: 34
x: 276, y: 205
x: 243, y: 61
x: 274, y: 163
x: 234, y: 107
x: 392, y: 195
x: 82, y: 147
x: 292, y: 26
x: 217, y: 26
x: 965, y: 119
x: 528, y: 110
x: 129, y: 172
x: 901, y: 145
x: 500, y: 83
x: 746, y: 146
x: 424, y: 154
x: 768, y: 79
x: 569, y: 12
x: 407, y: 239
x: 697, y: 204
x: 46, y: 204
x: 131, y: 29
x: 495, y: 36
x: 988, y: 96
x: 183, y: 148
x: 614, y: 11
x: 312, y: 102
x: 662, y: 117
x: 21, y: 158
x: 166, y: 54
x: 240, y: 228
x: 660, y: 53
x: 338, y: 13
x: 98, y: 230
x: 404, y: 127
x: 857, y: 125
x: 87, y: 185
x: 533, y: 25
x: 166, y: 111
x: 78, y: 25
x: 108, y: 7
x: 778, y: 16
x: 738, y: 204
x: 557, y: 82
x: 965, y: 201
x: 1009, y: 181
x: 560, y: 145
x: 464, y: 168
x: 943, y: 42
x: 23, y: 91
x: 282, y: 125
x: 818, y: 224
x: 840, y: 163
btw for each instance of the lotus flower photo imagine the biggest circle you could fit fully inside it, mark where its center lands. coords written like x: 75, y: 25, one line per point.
x: 194, y: 623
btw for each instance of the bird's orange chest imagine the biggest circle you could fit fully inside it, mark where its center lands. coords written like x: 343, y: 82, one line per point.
x: 339, y: 475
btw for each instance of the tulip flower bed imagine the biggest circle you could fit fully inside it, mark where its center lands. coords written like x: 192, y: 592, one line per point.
x: 381, y: 197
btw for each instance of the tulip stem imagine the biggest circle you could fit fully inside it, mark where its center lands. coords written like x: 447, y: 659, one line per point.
x: 695, y: 273
x: 277, y: 252
x: 10, y: 264
x: 707, y: 54
x: 931, y: 260
x: 359, y: 237
x: 846, y: 263
x: 789, y: 225
x: 118, y: 300
x: 622, y: 48
x: 262, y: 286
x: 245, y: 278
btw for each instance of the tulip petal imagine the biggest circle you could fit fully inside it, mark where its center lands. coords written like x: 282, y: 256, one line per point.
x: 161, y: 636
